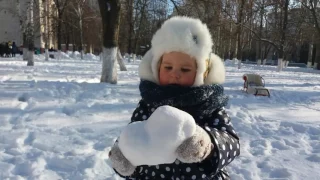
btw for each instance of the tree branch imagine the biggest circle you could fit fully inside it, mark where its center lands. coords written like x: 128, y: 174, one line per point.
x: 176, y: 7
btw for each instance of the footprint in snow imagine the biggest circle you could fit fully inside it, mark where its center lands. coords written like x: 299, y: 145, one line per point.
x: 314, y: 158
x: 265, y: 165
x: 102, y: 145
x: 241, y: 114
x: 85, y: 130
x: 279, y: 145
x: 30, y: 138
x: 297, y: 127
x: 260, y: 147
x: 291, y: 144
x: 280, y: 173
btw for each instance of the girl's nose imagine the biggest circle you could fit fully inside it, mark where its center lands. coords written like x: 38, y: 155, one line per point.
x: 176, y: 74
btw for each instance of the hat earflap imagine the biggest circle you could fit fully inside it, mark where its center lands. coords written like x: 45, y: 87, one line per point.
x: 215, y: 72
x: 145, y: 69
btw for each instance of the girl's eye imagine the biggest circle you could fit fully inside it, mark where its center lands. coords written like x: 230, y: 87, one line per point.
x: 185, y: 70
x: 168, y: 67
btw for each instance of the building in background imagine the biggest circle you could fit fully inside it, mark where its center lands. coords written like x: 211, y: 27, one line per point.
x: 13, y: 16
x: 9, y: 22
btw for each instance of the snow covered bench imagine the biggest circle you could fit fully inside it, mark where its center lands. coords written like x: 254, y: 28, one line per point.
x: 254, y: 84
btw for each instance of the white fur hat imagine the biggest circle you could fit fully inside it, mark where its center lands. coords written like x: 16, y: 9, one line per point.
x: 187, y: 35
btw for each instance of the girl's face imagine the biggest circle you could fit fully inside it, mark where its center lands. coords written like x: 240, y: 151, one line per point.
x: 177, y: 68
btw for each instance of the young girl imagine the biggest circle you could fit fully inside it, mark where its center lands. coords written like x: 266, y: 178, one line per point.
x: 180, y: 70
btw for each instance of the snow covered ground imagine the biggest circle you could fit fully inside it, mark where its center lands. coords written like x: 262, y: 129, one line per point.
x: 58, y: 122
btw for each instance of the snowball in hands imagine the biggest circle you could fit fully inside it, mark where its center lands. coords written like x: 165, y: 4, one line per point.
x: 155, y: 141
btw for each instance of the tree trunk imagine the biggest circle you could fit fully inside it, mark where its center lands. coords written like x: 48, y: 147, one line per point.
x: 310, y: 54
x: 46, y: 30
x: 67, y: 41
x: 30, y: 35
x: 66, y: 35
x: 30, y: 50
x: 46, y: 54
x: 283, y: 35
x: 314, y: 8
x: 239, y: 31
x: 219, y: 44
x: 73, y: 43
x: 59, y: 32
x: 60, y: 5
x: 136, y: 46
x: 317, y: 57
x: 260, y: 32
x: 131, y: 25
x: 110, y: 13
x: 230, y: 43
x: 109, y: 65
x: 120, y: 61
x: 30, y: 58
x: 25, y: 45
x: 81, y: 37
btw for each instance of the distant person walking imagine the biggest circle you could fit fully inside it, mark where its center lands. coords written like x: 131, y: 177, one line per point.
x: 7, y: 50
x: 1, y: 50
x: 14, y: 50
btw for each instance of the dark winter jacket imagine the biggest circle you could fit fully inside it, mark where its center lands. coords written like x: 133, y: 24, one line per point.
x: 206, y: 105
x: 1, y: 49
x: 14, y: 48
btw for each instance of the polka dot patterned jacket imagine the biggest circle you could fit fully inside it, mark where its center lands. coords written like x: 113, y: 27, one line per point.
x: 223, y: 136
x: 204, y: 100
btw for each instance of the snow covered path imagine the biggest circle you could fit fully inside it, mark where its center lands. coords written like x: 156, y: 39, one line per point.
x: 58, y: 122
x: 280, y: 136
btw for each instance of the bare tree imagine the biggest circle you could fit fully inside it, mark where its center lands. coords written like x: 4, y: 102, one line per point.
x: 27, y: 25
x: 130, y: 19
x: 92, y: 30
x: 47, y: 16
x: 110, y: 13
x: 239, y: 31
x: 61, y: 6
x: 142, y: 17
x: 79, y: 8
x: 30, y: 33
x: 120, y: 61
x: 175, y: 4
x: 284, y: 23
x: 313, y: 9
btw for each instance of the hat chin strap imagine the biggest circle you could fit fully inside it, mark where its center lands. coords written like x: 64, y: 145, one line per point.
x: 205, y: 74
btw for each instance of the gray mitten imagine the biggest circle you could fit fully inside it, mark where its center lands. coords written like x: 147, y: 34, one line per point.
x: 119, y: 162
x: 196, y: 148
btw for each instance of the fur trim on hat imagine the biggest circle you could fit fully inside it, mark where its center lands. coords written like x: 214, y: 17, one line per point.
x: 187, y: 35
